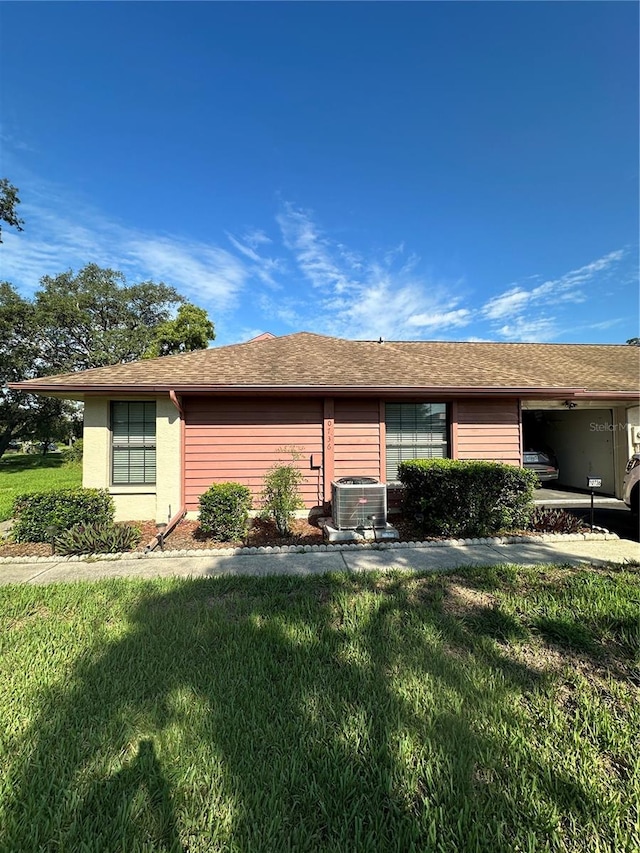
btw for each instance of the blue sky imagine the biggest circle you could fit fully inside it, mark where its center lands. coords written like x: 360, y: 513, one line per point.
x: 456, y: 171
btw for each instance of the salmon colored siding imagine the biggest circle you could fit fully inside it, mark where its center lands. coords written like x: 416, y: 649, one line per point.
x: 488, y: 429
x: 357, y: 438
x: 238, y: 440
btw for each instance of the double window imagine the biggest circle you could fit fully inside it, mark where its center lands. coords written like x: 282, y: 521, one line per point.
x: 414, y: 431
x: 133, y: 440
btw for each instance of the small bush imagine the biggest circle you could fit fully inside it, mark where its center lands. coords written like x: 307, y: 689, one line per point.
x: 281, y: 493
x: 455, y: 498
x: 224, y: 511
x: 61, y: 508
x: 546, y: 520
x: 73, y: 453
x: 98, y: 539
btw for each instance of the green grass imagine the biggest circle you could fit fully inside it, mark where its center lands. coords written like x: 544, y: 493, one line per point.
x: 25, y: 473
x: 337, y: 713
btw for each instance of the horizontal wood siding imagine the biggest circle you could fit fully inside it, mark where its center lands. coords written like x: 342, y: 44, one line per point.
x: 229, y: 439
x: 488, y: 429
x: 357, y: 438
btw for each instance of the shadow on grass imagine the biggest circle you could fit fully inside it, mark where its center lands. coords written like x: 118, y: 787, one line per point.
x: 27, y: 462
x: 337, y: 713
x: 139, y: 803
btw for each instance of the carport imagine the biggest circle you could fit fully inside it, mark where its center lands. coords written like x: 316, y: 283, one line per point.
x: 609, y: 513
x: 588, y: 438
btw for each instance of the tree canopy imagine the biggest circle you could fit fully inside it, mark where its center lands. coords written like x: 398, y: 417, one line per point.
x: 94, y: 318
x: 22, y: 415
x: 8, y: 203
x: 76, y: 321
x: 191, y: 330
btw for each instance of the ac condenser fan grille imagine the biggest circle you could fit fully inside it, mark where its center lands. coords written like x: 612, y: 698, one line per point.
x: 358, y: 502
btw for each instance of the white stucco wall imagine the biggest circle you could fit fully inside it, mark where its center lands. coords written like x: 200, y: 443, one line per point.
x: 134, y: 503
x: 168, y: 459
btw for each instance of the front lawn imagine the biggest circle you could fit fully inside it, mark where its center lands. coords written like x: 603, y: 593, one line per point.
x: 26, y: 473
x: 486, y: 710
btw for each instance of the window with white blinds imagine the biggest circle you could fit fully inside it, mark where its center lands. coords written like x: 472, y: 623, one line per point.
x: 414, y: 431
x: 133, y: 438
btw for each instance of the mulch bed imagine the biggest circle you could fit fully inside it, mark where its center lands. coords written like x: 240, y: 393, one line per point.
x: 188, y: 536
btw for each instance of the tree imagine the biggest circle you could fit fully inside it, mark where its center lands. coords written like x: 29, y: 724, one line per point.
x: 191, y: 330
x: 634, y: 342
x: 8, y: 203
x: 94, y: 318
x: 78, y: 321
x: 24, y: 415
x: 16, y: 355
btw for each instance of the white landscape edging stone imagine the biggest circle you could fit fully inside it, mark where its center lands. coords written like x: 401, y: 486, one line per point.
x: 324, y: 547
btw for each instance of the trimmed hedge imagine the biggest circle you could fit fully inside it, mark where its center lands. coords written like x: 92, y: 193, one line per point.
x: 224, y: 511
x: 448, y: 497
x: 34, y: 512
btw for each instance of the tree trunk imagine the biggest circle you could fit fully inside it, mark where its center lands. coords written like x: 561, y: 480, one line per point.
x: 5, y: 440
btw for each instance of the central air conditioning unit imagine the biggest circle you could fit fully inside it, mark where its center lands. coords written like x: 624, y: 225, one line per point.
x: 358, y: 502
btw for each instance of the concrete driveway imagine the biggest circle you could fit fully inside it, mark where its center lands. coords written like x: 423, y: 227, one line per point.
x: 609, y: 512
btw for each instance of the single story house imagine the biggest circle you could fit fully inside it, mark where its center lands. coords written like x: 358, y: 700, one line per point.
x: 158, y: 433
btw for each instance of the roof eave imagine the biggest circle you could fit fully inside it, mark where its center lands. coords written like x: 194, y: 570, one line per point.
x: 80, y: 391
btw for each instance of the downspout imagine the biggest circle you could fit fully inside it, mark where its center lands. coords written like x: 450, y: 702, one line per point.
x: 159, y: 538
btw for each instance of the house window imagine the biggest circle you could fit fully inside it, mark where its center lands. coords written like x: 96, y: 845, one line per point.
x: 414, y: 431
x: 133, y: 440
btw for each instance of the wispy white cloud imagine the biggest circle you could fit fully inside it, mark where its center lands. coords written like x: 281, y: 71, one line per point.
x: 198, y: 271
x: 11, y: 141
x: 442, y: 319
x: 359, y: 298
x: 535, y: 330
x: 298, y: 278
x: 507, y: 304
x: 527, y: 310
x: 605, y: 324
x: 256, y: 237
x: 55, y: 241
x: 265, y: 268
x: 312, y: 250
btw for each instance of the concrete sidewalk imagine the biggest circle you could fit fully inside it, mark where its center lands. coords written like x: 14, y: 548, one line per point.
x: 420, y: 559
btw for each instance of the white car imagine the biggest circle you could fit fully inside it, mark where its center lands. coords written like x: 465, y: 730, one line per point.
x: 631, y: 485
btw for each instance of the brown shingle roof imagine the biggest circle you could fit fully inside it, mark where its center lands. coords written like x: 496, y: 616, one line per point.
x: 308, y: 361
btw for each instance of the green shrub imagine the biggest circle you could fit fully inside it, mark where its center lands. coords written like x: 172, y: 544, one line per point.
x: 455, y: 498
x: 74, y: 453
x: 224, y: 511
x: 61, y: 508
x: 98, y: 539
x: 546, y: 520
x: 281, y: 493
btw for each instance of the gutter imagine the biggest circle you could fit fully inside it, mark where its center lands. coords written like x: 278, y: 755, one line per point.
x: 159, y: 538
x: 350, y: 390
